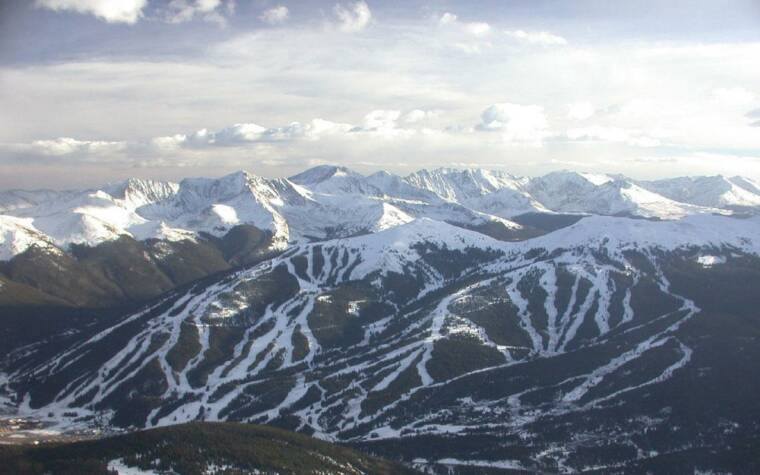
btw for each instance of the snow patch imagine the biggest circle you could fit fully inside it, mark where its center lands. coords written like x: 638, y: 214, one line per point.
x: 121, y: 468
x: 708, y: 261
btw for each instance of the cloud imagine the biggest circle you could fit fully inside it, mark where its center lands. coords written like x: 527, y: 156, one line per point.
x: 381, y: 119
x: 734, y: 96
x: 598, y: 133
x: 170, y: 143
x: 419, y: 115
x: 517, y: 123
x: 638, y: 107
x: 447, y: 19
x: 235, y: 134
x: 313, y: 130
x: 580, y: 110
x: 66, y: 146
x: 130, y: 11
x: 353, y: 18
x: 472, y: 38
x: 249, y: 133
x: 383, y: 124
x: 122, y: 11
x: 181, y: 11
x: 275, y: 15
x: 304, y: 71
x: 541, y: 38
x: 755, y: 116
x: 475, y: 28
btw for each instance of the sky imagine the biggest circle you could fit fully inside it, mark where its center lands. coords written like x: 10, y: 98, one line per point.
x: 95, y: 91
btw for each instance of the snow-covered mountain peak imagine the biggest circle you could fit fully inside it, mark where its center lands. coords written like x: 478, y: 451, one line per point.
x: 223, y: 188
x: 598, y: 179
x: 712, y: 191
x: 393, y: 247
x: 618, y: 233
x: 607, y: 195
x: 17, y: 235
x: 321, y: 173
x: 136, y: 192
x: 746, y: 183
x: 395, y: 186
x: 570, y: 178
x: 426, y: 230
x: 330, y: 179
x: 459, y: 185
x: 327, y: 201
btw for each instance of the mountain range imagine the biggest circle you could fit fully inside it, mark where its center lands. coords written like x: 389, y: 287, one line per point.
x: 328, y: 201
x: 459, y: 321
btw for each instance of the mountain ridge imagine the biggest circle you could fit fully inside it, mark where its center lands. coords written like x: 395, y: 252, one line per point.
x: 333, y: 201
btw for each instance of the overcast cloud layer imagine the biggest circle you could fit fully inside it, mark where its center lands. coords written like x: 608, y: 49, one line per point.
x: 96, y: 90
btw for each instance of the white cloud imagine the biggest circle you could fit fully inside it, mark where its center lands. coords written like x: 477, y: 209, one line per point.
x: 353, y: 18
x: 517, y: 123
x: 320, y: 127
x: 418, y: 115
x: 305, y: 71
x: 447, y: 19
x: 313, y: 130
x: 754, y: 116
x: 580, y: 110
x: 475, y: 28
x: 275, y: 15
x: 121, y: 11
x: 378, y: 124
x: 638, y: 108
x: 381, y: 119
x: 471, y: 47
x: 542, y: 38
x: 599, y: 133
x: 734, y: 96
x: 180, y: 11
x: 248, y: 133
x: 169, y: 143
x: 67, y: 145
x: 237, y: 133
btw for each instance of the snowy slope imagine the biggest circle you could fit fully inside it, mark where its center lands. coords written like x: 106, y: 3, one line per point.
x: 619, y: 233
x: 391, y: 249
x: 391, y: 346
x: 459, y: 185
x: 399, y: 197
x: 216, y: 205
x: 419, y: 328
x: 93, y: 216
x: 17, y: 235
x: 289, y: 210
x: 487, y: 191
x: 134, y: 192
x: 712, y: 191
x: 562, y: 190
x: 607, y: 195
x: 13, y: 200
x: 328, y: 201
x: 506, y: 203
x: 329, y: 179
